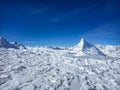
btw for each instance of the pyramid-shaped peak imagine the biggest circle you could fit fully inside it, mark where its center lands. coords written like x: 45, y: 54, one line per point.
x: 85, y: 47
x: 82, y: 41
x: 83, y: 44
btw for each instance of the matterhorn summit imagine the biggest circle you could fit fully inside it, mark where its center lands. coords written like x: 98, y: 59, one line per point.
x: 84, y: 47
x: 83, y: 44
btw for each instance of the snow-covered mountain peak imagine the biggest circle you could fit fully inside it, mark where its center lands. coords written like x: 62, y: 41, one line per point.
x: 1, y: 37
x: 14, y: 42
x: 3, y: 40
x: 84, y: 47
x: 83, y: 44
x: 5, y: 44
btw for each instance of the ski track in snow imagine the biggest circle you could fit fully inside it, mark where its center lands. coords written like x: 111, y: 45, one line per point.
x: 49, y: 69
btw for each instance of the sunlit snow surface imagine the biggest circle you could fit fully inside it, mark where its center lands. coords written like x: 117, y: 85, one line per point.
x: 58, y: 69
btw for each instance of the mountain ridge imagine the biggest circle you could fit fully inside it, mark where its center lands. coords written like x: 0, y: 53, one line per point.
x: 85, y: 47
x: 5, y: 44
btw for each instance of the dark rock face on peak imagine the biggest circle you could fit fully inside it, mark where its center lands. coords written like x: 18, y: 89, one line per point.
x: 5, y: 44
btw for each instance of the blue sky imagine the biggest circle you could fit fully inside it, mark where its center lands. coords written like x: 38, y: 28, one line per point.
x: 60, y: 22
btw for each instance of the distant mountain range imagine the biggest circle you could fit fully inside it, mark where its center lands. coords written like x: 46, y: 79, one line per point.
x: 5, y: 44
x: 82, y: 48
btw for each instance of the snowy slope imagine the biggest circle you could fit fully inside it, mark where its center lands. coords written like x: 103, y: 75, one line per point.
x: 44, y: 68
x: 112, y: 51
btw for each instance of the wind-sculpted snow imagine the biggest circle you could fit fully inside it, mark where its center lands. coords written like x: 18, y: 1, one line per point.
x: 51, y: 69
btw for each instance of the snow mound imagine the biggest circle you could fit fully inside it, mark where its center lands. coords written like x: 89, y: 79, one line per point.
x: 84, y: 47
x: 5, y: 44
